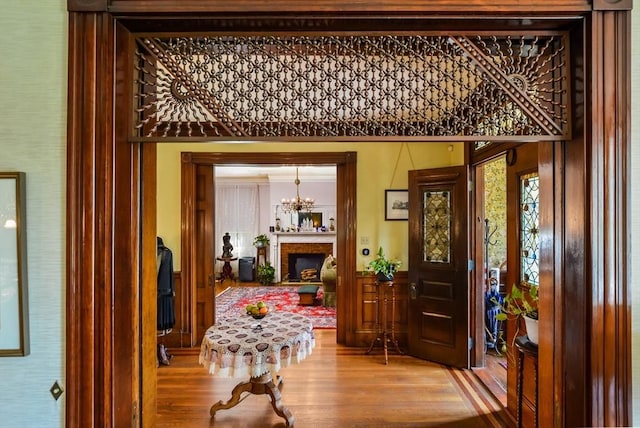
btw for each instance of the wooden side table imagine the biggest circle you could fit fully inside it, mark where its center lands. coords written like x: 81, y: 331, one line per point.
x: 261, y: 256
x: 227, y: 271
x: 384, y: 336
x: 528, y: 349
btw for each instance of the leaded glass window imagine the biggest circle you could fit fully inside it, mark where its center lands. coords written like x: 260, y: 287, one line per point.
x: 436, y: 218
x: 530, y: 228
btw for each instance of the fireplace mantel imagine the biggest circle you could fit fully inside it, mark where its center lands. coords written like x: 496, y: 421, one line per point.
x: 279, y: 238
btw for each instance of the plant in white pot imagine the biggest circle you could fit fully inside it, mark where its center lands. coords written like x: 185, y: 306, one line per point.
x: 521, y: 303
x: 261, y: 240
x: 383, y: 267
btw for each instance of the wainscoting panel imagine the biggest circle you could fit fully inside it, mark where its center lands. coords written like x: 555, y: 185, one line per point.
x: 369, y: 309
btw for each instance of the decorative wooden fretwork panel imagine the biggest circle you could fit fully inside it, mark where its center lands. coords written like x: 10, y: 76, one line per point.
x: 352, y: 87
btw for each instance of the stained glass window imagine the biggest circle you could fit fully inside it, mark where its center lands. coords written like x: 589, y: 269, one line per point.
x: 530, y: 228
x: 436, y: 214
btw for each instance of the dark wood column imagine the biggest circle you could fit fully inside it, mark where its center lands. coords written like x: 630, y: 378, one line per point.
x: 103, y: 243
x: 89, y: 219
x: 608, y: 136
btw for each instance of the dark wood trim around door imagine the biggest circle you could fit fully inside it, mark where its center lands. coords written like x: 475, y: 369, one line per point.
x: 346, y: 187
x: 102, y: 299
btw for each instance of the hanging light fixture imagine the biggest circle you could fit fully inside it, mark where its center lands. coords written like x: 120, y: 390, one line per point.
x: 297, y: 204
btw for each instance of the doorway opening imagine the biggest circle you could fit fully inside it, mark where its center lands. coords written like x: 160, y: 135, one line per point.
x: 490, y: 225
x: 248, y: 201
x: 200, y: 252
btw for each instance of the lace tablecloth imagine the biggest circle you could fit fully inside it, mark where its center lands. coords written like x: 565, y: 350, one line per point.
x: 241, y: 346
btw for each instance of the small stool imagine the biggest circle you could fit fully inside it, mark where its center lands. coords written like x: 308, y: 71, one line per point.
x: 308, y: 294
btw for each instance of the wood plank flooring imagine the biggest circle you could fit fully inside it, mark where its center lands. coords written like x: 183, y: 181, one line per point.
x: 336, y: 386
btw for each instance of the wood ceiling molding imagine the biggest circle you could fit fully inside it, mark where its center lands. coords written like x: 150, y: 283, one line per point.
x: 612, y: 4
x: 388, y: 7
x: 338, y: 6
x: 87, y: 5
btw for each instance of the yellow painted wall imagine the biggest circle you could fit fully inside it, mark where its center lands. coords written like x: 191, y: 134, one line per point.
x: 377, y: 171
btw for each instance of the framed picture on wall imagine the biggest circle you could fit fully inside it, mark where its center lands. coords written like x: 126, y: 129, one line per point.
x: 14, y: 316
x: 396, y: 204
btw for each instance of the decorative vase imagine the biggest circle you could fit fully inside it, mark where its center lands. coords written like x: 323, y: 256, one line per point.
x: 532, y: 329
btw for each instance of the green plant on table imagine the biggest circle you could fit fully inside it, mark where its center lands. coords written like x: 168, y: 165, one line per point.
x: 383, y: 266
x: 261, y: 240
x: 519, y: 303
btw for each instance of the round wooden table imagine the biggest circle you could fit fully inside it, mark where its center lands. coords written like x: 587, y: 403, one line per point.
x: 241, y: 346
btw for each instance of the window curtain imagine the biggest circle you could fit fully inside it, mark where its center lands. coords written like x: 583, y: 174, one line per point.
x: 237, y: 212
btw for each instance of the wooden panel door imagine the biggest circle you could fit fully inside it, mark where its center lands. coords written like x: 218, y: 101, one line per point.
x: 438, y: 265
x: 204, y: 260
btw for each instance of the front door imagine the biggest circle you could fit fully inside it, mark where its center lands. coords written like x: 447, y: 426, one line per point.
x: 438, y: 328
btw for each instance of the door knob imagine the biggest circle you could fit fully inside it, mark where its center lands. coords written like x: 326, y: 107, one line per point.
x: 413, y: 293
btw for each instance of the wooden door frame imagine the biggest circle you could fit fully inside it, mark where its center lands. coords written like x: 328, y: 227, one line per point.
x: 104, y: 218
x: 346, y: 192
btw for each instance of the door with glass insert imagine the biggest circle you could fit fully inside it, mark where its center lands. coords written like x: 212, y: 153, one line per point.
x: 438, y: 327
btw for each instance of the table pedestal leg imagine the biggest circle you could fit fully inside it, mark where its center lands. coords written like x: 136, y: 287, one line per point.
x: 227, y: 271
x: 257, y: 385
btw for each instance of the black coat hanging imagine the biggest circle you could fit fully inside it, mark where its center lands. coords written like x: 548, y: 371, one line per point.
x: 166, y: 292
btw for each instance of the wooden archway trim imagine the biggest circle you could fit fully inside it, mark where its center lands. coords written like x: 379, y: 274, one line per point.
x: 346, y: 193
x: 102, y: 366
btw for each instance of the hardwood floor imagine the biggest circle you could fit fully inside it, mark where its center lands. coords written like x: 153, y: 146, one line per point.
x: 334, y: 387
x: 494, y: 375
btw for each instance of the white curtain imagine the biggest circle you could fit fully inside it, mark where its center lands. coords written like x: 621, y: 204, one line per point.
x: 238, y: 213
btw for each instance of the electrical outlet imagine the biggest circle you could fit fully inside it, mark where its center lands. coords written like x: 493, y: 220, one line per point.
x: 364, y: 240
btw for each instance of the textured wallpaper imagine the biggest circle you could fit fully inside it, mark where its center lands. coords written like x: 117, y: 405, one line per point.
x: 33, y: 87
x: 495, y: 209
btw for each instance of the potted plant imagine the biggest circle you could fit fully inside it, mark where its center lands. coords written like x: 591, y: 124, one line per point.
x: 383, y: 267
x: 261, y: 240
x: 521, y: 304
x: 265, y: 273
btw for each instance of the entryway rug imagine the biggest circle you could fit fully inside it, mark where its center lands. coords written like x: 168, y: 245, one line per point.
x: 286, y: 299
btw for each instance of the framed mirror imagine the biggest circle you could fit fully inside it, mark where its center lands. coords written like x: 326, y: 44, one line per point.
x: 14, y: 314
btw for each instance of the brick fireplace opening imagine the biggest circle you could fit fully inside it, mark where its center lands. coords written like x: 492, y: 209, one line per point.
x: 295, y: 257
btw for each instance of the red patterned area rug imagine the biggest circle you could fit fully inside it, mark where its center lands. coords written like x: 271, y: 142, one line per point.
x: 285, y: 299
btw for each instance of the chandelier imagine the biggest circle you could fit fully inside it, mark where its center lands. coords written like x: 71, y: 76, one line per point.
x: 297, y: 204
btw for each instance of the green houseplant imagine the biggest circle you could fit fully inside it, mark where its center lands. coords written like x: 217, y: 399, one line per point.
x: 261, y: 240
x: 521, y: 303
x: 383, y: 267
x: 265, y: 273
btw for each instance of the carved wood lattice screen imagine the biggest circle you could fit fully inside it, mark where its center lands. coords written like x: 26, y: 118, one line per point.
x: 360, y: 87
